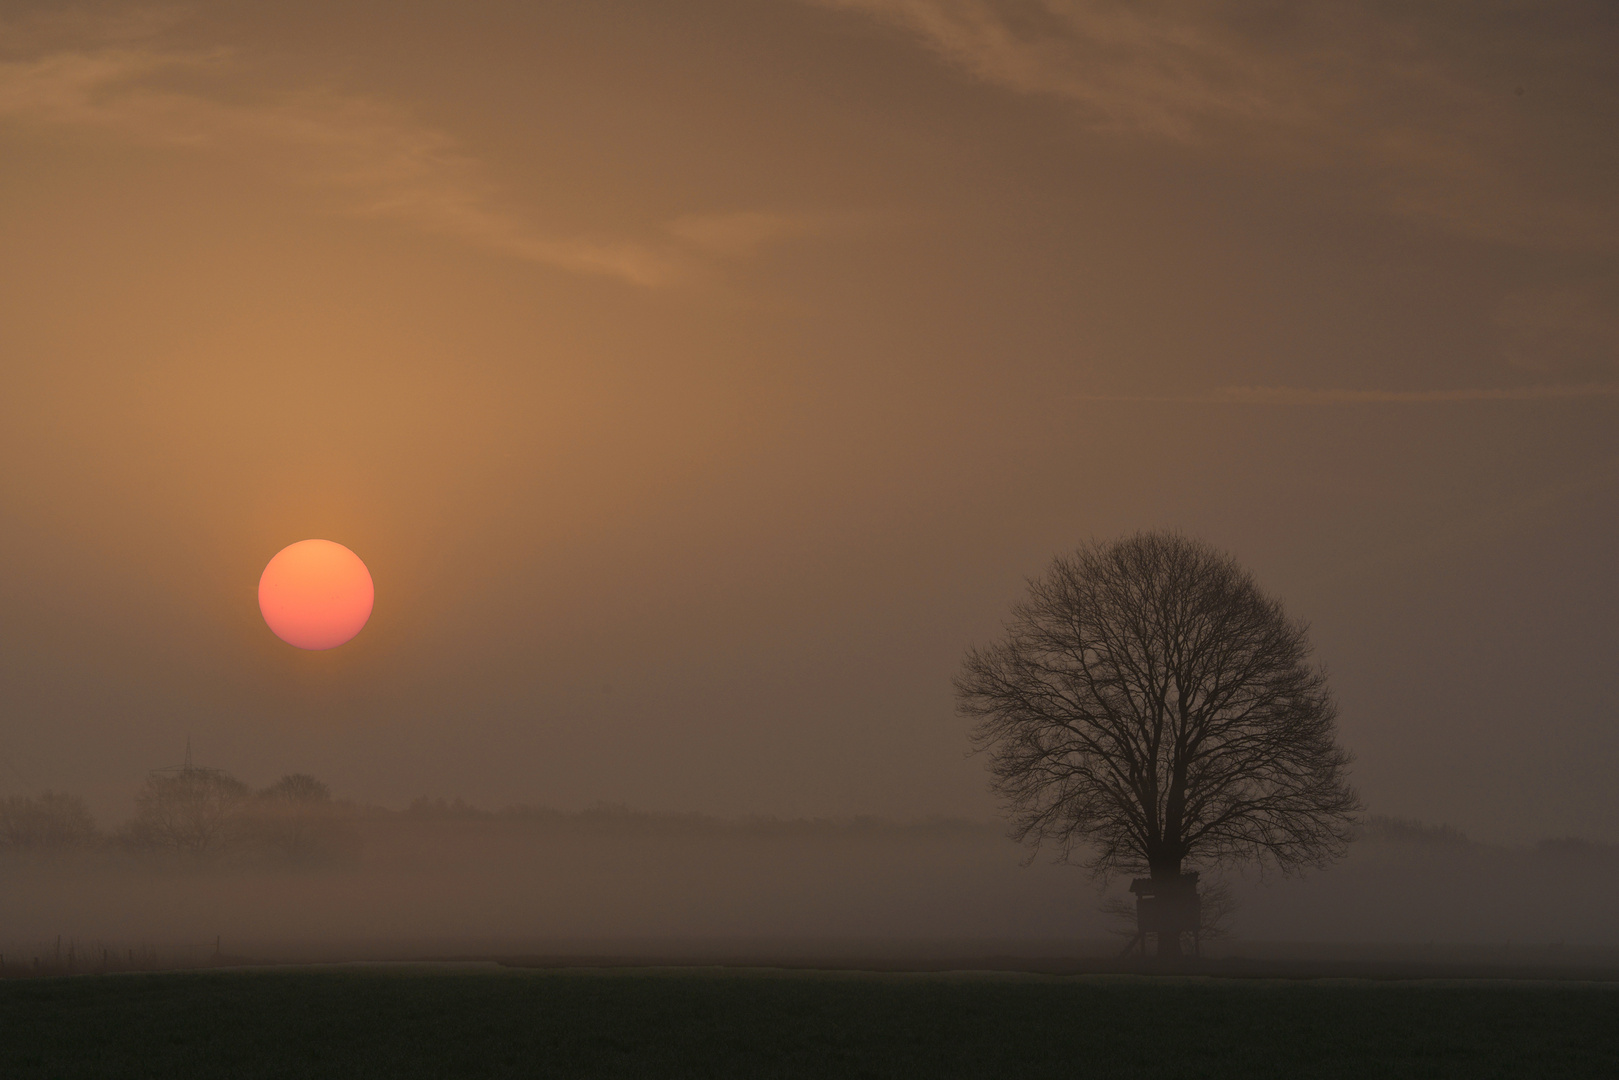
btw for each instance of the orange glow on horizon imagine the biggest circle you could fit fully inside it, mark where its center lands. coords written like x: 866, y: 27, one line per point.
x: 316, y: 594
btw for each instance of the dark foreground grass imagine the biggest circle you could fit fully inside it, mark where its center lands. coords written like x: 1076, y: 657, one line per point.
x: 409, y: 1023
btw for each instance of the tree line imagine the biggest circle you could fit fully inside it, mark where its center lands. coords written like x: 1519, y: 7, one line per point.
x: 192, y: 811
x: 207, y: 814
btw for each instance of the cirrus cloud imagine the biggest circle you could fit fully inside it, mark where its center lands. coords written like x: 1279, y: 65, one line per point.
x: 1490, y: 121
x: 117, y: 77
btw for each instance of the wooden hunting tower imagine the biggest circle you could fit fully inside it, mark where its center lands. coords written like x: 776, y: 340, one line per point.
x: 1166, y: 906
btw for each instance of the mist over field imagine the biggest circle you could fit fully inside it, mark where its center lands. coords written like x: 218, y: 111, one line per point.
x: 446, y: 878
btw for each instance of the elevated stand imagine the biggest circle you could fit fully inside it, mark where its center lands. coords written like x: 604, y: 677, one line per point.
x: 1168, y: 907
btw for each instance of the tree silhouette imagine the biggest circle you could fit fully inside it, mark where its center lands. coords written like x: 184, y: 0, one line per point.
x: 297, y: 818
x: 1150, y: 709
x: 189, y: 808
x: 297, y: 788
x: 50, y: 820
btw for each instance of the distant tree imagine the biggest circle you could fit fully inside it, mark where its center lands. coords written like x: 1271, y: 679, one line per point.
x: 49, y: 820
x: 1398, y: 830
x: 297, y: 788
x: 424, y: 806
x: 189, y: 809
x: 296, y: 817
x: 1151, y: 710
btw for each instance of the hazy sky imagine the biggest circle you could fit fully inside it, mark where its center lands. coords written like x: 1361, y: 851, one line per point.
x: 699, y: 380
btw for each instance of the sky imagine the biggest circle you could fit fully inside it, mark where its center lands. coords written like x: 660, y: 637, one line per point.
x: 700, y: 381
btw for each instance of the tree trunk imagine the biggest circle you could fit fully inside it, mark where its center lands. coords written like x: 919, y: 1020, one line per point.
x: 1166, y: 876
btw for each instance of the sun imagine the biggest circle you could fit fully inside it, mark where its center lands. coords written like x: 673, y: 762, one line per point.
x: 316, y: 594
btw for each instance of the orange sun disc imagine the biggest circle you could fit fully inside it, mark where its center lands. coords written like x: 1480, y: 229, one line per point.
x: 316, y: 594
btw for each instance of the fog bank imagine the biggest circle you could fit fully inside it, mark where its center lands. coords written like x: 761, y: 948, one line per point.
x: 444, y: 879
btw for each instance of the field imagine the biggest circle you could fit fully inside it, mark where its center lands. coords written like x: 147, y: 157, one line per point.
x: 486, y: 1021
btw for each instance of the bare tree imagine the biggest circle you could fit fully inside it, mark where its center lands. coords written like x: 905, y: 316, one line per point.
x: 51, y: 820
x: 298, y: 789
x: 297, y: 818
x: 189, y: 809
x: 1150, y: 709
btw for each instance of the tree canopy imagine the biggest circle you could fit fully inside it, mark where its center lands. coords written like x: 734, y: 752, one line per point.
x: 188, y: 809
x: 1149, y: 705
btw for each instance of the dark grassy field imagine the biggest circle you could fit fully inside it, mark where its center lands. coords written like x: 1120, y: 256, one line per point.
x: 703, y: 1023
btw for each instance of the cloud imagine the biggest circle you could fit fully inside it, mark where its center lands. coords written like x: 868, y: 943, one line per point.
x: 1286, y: 395
x: 118, y: 79
x: 1292, y: 395
x: 1492, y: 121
x: 1126, y: 68
x: 743, y: 233
x: 382, y: 162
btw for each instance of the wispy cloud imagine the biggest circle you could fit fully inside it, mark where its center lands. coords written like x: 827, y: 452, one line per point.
x: 373, y: 156
x: 742, y: 233
x: 1293, y: 395
x: 1488, y: 120
x: 380, y: 161
x: 1125, y: 67
x: 1286, y: 395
